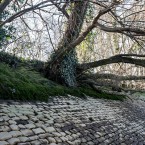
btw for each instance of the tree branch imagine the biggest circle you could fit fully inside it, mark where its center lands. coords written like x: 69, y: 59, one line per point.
x: 114, y: 77
x: 22, y: 12
x: 122, y: 58
x: 137, y: 31
x: 61, y: 9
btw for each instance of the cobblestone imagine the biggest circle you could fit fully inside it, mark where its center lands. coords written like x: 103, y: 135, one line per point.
x: 5, y: 136
x: 4, y: 143
x: 72, y: 121
x: 38, y: 131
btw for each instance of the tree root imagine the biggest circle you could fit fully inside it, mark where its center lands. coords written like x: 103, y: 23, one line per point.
x: 102, y: 89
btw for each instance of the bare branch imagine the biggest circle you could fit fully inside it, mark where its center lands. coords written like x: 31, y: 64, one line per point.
x: 137, y: 31
x: 114, y: 59
x: 22, y: 12
x: 114, y: 77
x: 61, y: 9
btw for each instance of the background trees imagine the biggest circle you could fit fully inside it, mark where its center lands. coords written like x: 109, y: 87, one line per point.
x: 80, y: 37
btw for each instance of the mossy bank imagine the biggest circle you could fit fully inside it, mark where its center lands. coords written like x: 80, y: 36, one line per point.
x: 23, y: 84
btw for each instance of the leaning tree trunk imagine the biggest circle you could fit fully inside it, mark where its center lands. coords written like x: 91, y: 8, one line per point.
x: 64, y: 70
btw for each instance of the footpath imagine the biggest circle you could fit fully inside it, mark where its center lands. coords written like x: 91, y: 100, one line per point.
x: 72, y: 121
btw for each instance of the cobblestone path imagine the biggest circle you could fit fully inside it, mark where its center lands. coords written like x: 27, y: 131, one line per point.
x: 72, y: 121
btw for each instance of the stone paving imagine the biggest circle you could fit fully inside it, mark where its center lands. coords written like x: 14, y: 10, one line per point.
x: 72, y: 121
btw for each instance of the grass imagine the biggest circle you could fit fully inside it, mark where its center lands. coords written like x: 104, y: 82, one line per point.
x: 23, y: 84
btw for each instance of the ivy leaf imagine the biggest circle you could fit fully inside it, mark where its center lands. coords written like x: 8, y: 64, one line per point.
x: 8, y: 37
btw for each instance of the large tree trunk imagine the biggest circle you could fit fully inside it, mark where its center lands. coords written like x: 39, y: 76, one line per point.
x: 64, y: 70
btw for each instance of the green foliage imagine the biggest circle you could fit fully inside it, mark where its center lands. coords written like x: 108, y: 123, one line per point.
x: 7, y: 31
x: 31, y: 64
x: 6, y: 34
x: 7, y: 58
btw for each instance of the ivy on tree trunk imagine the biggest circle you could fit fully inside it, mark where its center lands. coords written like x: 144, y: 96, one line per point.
x: 64, y: 71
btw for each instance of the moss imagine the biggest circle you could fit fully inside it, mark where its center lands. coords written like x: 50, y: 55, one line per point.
x: 80, y: 92
x: 23, y: 84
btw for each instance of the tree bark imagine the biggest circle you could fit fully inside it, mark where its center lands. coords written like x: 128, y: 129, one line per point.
x: 121, y: 58
x: 114, y: 77
x: 64, y: 71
